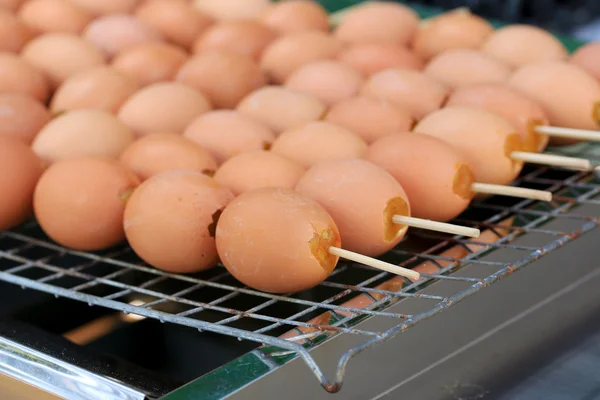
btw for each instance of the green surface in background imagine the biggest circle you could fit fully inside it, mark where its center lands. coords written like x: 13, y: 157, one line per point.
x: 249, y: 367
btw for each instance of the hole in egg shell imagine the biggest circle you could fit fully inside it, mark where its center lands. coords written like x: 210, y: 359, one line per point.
x: 513, y: 143
x: 596, y: 112
x: 534, y: 139
x: 391, y: 230
x: 212, y: 227
x: 463, y: 181
x: 209, y: 172
x: 267, y: 146
x: 319, y: 247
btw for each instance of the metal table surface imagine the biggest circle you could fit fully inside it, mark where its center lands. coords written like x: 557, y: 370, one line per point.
x: 511, y: 341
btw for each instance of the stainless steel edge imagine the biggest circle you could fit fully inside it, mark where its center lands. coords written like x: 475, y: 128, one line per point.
x: 58, y: 377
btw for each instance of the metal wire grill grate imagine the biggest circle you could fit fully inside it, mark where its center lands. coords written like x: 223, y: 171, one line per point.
x: 214, y: 301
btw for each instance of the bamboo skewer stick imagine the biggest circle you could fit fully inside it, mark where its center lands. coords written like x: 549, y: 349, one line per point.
x: 435, y: 226
x: 579, y: 134
x: 512, y: 191
x: 375, y: 263
x: 550, y: 159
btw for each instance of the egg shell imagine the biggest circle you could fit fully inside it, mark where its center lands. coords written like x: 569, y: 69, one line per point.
x: 160, y: 152
x: 277, y: 240
x: 43, y: 16
x: 100, y: 88
x: 149, y: 63
x: 327, y: 80
x: 463, y: 67
x: 232, y: 9
x: 225, y: 78
x: 22, y: 169
x: 281, y: 109
x: 519, y: 110
x: 458, y: 29
x: 61, y: 55
x: 362, y: 198
x: 245, y: 37
x: 18, y: 76
x: 226, y: 133
x: 11, y: 5
x: 80, y: 133
x: 378, y: 21
x: 148, y: 111
x: 171, y: 218
x: 486, y: 140
x: 370, y: 118
x: 442, y: 188
x: 289, y: 52
x: 21, y: 116
x: 14, y: 34
x: 587, y: 57
x: 258, y: 169
x: 414, y: 91
x: 177, y: 20
x: 569, y: 96
x: 519, y: 45
x: 116, y: 32
x: 105, y: 7
x: 296, y: 16
x: 318, y: 141
x: 370, y: 58
x: 79, y: 203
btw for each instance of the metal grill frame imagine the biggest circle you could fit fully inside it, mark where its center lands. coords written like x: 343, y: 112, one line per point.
x: 579, y: 188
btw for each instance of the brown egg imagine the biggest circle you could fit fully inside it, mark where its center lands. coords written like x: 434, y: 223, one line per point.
x: 21, y: 116
x: 413, y: 91
x: 226, y: 133
x: 281, y: 109
x: 44, y: 16
x: 518, y: 45
x: 177, y: 20
x: 163, y: 107
x: 101, y: 88
x: 522, y: 112
x: 13, y: 32
x: 295, y: 16
x: 149, y: 63
x: 18, y: 76
x: 277, y: 240
x: 569, y: 96
x: 362, y: 198
x: 258, y: 169
x: 232, y: 9
x: 61, y: 55
x: 327, y: 80
x: 463, y: 67
x: 370, y: 118
x: 225, y: 78
x: 117, y: 32
x: 370, y: 58
x: 486, y: 140
x: 246, y: 37
x: 80, y: 133
x: 170, y: 220
x: 587, y: 57
x: 318, y: 141
x: 378, y: 21
x: 105, y: 7
x: 79, y: 203
x: 22, y: 169
x: 457, y: 29
x: 441, y: 190
x: 160, y: 152
x: 11, y: 5
x: 288, y: 53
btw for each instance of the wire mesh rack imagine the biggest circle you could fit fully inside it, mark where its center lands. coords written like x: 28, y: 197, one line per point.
x: 294, y: 323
